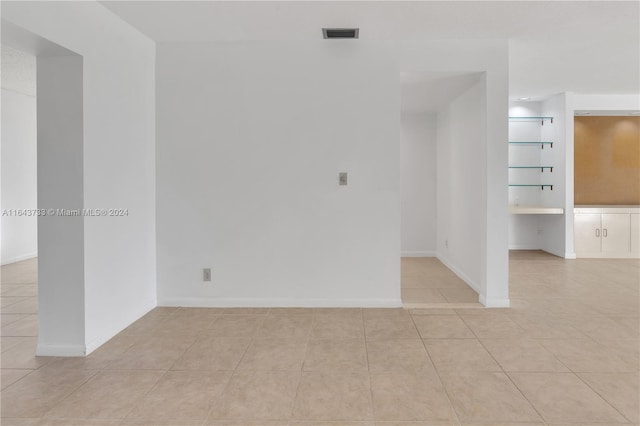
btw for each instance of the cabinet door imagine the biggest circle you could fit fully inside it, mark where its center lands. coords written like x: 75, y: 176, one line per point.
x: 635, y: 232
x: 615, y: 232
x: 587, y: 236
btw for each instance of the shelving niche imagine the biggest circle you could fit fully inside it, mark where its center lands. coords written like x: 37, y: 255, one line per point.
x: 530, y: 170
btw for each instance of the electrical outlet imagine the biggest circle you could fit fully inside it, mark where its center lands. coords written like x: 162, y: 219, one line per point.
x: 206, y: 274
x: 539, y: 231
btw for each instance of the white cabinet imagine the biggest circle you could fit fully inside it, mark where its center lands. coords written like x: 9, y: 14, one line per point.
x: 607, y: 232
x: 616, y: 232
x: 635, y: 233
x: 587, y: 233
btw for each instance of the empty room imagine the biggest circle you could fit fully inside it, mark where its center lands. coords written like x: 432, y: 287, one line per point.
x: 347, y: 213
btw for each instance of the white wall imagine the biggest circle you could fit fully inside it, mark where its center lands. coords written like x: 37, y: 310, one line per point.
x: 557, y: 230
x: 118, y: 157
x: 461, y: 167
x: 603, y: 102
x: 61, y: 266
x: 418, y: 184
x: 251, y: 138
x: 19, y: 187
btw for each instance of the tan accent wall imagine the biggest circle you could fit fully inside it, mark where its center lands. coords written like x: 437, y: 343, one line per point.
x: 607, y: 160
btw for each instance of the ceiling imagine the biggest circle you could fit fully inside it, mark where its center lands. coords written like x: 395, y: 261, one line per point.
x: 555, y: 46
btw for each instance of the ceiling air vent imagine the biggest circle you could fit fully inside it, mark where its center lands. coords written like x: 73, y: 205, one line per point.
x: 340, y: 32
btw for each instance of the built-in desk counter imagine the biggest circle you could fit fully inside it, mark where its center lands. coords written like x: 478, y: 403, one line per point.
x: 535, y: 210
x: 583, y: 208
x: 608, y: 231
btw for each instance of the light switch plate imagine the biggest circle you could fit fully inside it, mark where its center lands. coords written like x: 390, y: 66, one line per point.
x: 343, y: 178
x: 206, y: 274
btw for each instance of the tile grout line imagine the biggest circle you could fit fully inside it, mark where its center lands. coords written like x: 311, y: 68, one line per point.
x: 233, y: 373
x: 306, y: 350
x: 155, y: 384
x: 71, y: 392
x: 600, y: 395
x: 503, y: 370
x: 446, y: 392
x: 366, y: 351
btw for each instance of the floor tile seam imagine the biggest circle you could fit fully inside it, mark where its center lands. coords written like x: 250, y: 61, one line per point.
x: 506, y: 374
x: 602, y: 396
x: 153, y: 387
x: 526, y: 398
x: 522, y: 330
x: 437, y: 372
x: 491, y: 355
x: 71, y: 392
x: 552, y: 354
x: 232, y: 375
x: 295, y: 396
x: 20, y: 379
x: 533, y: 339
x: 366, y: 349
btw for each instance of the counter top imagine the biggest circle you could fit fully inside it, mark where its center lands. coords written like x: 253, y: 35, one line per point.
x: 582, y: 208
x: 535, y: 210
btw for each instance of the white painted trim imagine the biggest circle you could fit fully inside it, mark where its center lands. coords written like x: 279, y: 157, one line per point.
x: 608, y: 255
x: 211, y: 302
x: 444, y: 305
x: 60, y: 350
x: 20, y: 258
x: 428, y: 253
x: 525, y: 247
x: 568, y: 255
x: 460, y: 274
x: 495, y: 303
x: 98, y: 341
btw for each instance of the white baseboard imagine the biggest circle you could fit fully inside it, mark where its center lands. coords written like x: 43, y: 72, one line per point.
x: 495, y: 303
x: 525, y: 247
x: 460, y: 274
x: 118, y: 326
x: 488, y: 303
x: 60, y: 350
x: 19, y: 258
x: 210, y: 302
x: 605, y: 255
x: 428, y: 253
x: 568, y: 255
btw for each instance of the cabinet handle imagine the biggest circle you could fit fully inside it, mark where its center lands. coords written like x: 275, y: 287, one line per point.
x: 597, y: 232
x: 604, y: 232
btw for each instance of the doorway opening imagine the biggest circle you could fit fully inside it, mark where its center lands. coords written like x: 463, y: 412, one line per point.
x: 441, y: 118
x: 42, y: 135
x: 19, y: 236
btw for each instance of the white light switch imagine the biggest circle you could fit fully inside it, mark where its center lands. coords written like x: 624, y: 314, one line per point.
x: 343, y: 178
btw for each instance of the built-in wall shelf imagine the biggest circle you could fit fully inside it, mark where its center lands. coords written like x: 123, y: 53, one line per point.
x: 535, y: 210
x: 526, y: 159
x: 541, y: 143
x: 533, y: 167
x: 540, y: 119
x: 534, y: 185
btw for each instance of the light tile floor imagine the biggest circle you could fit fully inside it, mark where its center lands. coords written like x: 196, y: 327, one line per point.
x: 427, y: 283
x: 566, y: 353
